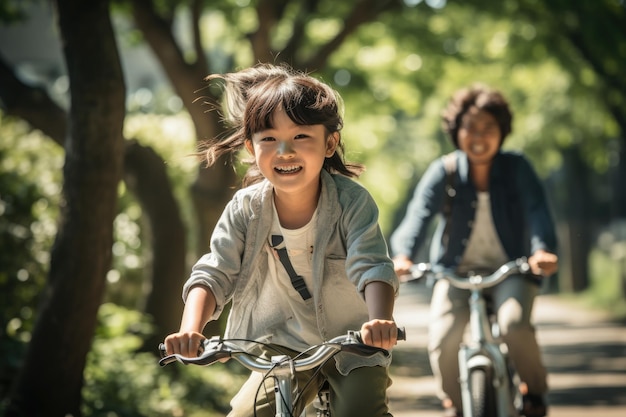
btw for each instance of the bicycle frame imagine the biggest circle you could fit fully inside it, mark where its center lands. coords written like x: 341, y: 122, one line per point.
x: 484, y: 351
x: 484, y: 365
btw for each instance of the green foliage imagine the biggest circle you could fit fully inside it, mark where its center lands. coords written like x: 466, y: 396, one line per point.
x: 121, y: 382
x: 118, y: 380
x: 172, y: 136
x: 12, y: 11
x: 396, y: 75
x: 29, y: 189
x: 607, y: 264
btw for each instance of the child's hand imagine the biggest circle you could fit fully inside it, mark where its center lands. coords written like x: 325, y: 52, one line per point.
x: 380, y: 333
x: 187, y: 344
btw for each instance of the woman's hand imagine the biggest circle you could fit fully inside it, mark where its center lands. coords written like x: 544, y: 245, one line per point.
x: 380, y: 333
x: 543, y: 263
x: 402, y: 265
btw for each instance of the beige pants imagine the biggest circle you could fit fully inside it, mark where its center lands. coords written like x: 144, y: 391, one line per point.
x: 449, y: 313
x: 362, y: 393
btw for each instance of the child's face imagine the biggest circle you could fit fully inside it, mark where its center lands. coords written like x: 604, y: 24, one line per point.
x: 291, y: 156
x: 479, y: 136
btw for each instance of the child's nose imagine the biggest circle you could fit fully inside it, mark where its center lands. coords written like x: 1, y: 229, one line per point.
x: 285, y: 148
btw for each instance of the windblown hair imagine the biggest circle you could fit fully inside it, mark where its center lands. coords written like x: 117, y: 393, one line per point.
x: 252, y: 95
x: 480, y: 97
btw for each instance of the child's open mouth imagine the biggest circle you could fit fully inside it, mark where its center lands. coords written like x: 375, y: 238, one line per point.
x: 288, y: 169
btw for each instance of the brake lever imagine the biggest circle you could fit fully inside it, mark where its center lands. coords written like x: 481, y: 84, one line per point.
x: 205, y: 359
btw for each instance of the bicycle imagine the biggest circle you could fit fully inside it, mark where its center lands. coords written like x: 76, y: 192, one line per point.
x: 282, y: 368
x: 490, y: 386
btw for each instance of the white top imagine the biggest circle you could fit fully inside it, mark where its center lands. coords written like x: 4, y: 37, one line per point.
x: 483, y: 252
x: 300, y: 330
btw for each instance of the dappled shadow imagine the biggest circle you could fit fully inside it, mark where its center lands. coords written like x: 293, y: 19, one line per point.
x: 589, y: 396
x: 420, y: 402
x: 599, y: 366
x: 586, y: 357
x: 410, y: 363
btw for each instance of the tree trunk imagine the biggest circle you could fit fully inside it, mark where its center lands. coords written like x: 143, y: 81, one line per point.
x: 577, y: 245
x: 146, y: 177
x: 214, y: 186
x: 143, y: 168
x: 51, y: 379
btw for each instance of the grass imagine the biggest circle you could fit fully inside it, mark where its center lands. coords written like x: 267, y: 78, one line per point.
x: 607, y: 286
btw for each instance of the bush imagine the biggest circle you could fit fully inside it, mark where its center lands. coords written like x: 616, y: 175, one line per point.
x: 121, y: 381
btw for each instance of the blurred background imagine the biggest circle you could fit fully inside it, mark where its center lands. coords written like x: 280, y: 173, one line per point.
x: 103, y: 207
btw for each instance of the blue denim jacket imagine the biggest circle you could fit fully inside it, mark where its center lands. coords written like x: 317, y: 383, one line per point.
x: 518, y: 204
x: 350, y: 252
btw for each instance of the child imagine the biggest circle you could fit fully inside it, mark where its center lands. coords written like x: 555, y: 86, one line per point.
x: 297, y: 194
x: 499, y: 212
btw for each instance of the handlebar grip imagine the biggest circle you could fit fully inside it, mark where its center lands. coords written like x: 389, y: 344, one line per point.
x: 165, y: 359
x: 401, y: 333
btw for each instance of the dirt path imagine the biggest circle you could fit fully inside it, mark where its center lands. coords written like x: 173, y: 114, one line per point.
x: 584, y: 352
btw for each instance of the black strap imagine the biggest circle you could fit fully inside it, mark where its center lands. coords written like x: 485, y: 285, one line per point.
x: 278, y: 244
x: 449, y: 164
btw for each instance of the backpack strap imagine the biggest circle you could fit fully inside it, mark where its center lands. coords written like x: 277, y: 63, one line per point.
x: 449, y: 164
x: 278, y: 244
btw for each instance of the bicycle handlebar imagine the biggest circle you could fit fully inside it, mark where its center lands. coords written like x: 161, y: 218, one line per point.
x: 472, y: 281
x: 215, y: 349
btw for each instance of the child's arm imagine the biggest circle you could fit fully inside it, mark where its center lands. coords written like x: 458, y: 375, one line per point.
x: 381, y: 330
x: 199, y: 307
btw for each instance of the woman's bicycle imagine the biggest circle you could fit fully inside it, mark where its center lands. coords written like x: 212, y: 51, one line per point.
x: 490, y: 386
x: 281, y: 368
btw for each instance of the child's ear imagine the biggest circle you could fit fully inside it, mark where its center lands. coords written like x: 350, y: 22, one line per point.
x: 331, y: 144
x: 249, y: 147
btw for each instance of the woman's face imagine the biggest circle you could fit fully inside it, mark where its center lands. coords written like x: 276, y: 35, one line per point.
x: 479, y: 136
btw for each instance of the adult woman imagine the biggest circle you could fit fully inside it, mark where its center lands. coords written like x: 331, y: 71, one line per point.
x: 498, y: 213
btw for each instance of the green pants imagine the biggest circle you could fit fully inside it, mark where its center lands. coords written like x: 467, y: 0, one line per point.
x: 362, y: 393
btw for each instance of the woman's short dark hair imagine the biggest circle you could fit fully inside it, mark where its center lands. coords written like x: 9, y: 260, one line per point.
x: 480, y: 97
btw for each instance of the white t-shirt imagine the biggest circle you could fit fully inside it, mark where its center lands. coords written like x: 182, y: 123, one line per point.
x: 300, y: 330
x: 484, y: 252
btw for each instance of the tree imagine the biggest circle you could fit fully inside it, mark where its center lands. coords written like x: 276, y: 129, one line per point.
x: 82, y: 251
x: 145, y: 176
x: 588, y: 37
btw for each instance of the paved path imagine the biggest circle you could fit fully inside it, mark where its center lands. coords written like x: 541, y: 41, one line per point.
x: 584, y: 352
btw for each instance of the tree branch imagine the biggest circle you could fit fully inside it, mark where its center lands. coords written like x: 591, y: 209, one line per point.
x: 364, y: 11
x: 32, y: 104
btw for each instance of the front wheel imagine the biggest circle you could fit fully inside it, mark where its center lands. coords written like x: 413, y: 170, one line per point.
x: 482, y: 392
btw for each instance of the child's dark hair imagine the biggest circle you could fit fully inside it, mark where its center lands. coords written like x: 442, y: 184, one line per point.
x: 480, y: 97
x: 251, y: 97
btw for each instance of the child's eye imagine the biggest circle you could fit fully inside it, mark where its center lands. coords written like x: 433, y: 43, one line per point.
x: 301, y: 136
x: 267, y: 139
